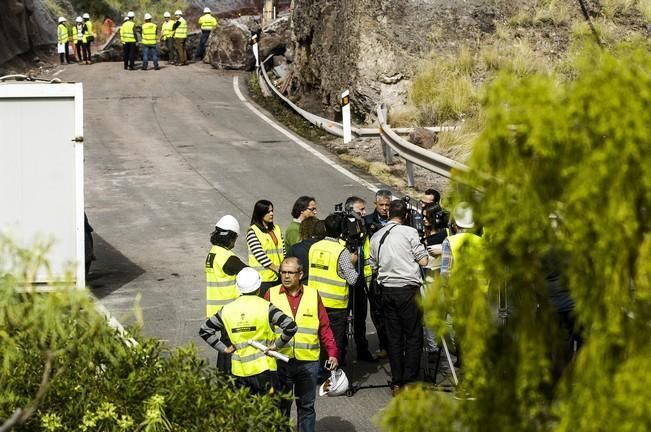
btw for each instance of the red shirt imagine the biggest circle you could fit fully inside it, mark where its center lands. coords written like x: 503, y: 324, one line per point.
x: 325, y: 332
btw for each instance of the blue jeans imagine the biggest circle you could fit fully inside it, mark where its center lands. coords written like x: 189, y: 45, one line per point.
x: 201, y: 49
x: 145, y: 55
x: 301, y: 378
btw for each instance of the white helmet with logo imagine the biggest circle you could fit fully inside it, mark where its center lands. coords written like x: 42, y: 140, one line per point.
x: 166, y: 14
x: 86, y: 15
x: 62, y: 19
x: 147, y: 16
x: 336, y: 385
x: 178, y: 12
x: 131, y: 14
x: 248, y: 280
x: 206, y: 10
x: 228, y: 222
x: 78, y: 19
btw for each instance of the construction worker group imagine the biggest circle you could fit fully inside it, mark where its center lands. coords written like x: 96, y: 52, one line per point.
x: 81, y: 34
x: 296, y: 292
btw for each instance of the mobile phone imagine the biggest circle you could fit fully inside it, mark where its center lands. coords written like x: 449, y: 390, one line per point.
x: 328, y: 364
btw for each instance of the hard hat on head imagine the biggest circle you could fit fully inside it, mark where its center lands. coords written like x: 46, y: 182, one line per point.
x: 62, y: 19
x: 126, y: 18
x: 248, y: 280
x: 131, y: 14
x: 463, y: 215
x: 78, y: 19
x: 147, y: 16
x: 166, y: 15
x: 178, y: 13
x: 228, y: 222
x: 336, y: 385
x: 206, y: 10
x: 86, y: 15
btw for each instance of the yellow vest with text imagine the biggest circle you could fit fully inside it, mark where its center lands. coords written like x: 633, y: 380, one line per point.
x: 220, y: 287
x: 182, y: 30
x: 166, y: 29
x: 323, y: 259
x: 468, y: 246
x: 274, y: 252
x: 149, y: 34
x: 62, y: 33
x: 127, y: 33
x: 207, y: 22
x: 305, y: 344
x: 247, y: 318
x: 78, y: 34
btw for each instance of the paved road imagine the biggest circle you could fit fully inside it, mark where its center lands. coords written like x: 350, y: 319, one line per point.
x: 169, y: 152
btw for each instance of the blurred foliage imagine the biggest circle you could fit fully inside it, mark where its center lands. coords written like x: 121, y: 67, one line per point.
x: 577, y: 150
x: 70, y: 371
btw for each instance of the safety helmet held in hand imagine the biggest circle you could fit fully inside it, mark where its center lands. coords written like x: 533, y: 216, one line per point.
x: 228, y: 222
x: 78, y: 19
x: 248, y: 280
x: 178, y: 13
x: 336, y: 385
x: 86, y: 16
x: 131, y: 14
x: 147, y: 16
x: 463, y: 215
x: 62, y: 19
x: 206, y: 10
x: 166, y: 15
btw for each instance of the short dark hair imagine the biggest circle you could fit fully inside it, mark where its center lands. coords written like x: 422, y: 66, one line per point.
x: 307, y: 227
x: 260, y: 209
x: 435, y: 193
x: 333, y: 225
x: 301, y: 204
x: 398, y: 208
x: 351, y: 201
x: 320, y: 230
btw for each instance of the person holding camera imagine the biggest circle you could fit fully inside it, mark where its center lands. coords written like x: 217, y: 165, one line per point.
x: 398, y: 255
x: 332, y: 271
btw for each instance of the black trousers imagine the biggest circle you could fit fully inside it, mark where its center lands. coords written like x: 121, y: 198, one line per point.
x: 403, y: 321
x: 129, y: 55
x: 261, y: 383
x: 375, y: 302
x: 359, y: 304
x: 338, y: 320
x: 66, y: 54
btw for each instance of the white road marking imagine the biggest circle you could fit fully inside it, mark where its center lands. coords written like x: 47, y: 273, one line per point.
x: 300, y: 142
x: 58, y: 72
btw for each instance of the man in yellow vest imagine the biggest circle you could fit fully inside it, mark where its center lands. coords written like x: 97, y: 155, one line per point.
x: 149, y: 33
x: 167, y: 37
x: 207, y: 23
x: 79, y: 38
x: 249, y: 318
x: 62, y: 41
x: 180, y: 29
x: 300, y: 375
x: 90, y: 34
x: 332, y: 270
x: 128, y: 38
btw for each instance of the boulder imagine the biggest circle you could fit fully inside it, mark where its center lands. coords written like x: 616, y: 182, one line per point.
x: 271, y: 44
x: 229, y: 48
x: 423, y: 138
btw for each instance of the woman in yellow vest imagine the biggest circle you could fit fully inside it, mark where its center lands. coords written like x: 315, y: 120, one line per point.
x: 79, y: 37
x: 266, y: 245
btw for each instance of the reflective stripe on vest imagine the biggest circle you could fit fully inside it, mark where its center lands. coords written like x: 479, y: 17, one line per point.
x: 182, y: 30
x: 126, y: 32
x: 366, y: 250
x: 166, y: 29
x: 207, y: 22
x: 89, y: 28
x: 323, y: 260
x: 274, y: 252
x: 79, y: 34
x: 220, y: 287
x: 305, y: 343
x: 149, y: 34
x: 247, y: 318
x: 468, y: 246
x: 62, y: 33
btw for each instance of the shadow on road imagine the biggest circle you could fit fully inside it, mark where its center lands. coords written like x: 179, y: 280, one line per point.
x: 111, y: 270
x: 332, y: 423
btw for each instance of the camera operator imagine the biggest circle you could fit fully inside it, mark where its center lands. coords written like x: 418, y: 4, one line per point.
x: 398, y: 254
x: 332, y: 270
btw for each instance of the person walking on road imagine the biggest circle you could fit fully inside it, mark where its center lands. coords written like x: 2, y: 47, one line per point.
x: 207, y: 23
x: 299, y: 376
x: 149, y: 34
x: 79, y: 33
x: 90, y: 35
x: 180, y: 28
x: 305, y: 206
x: 266, y: 245
x: 62, y: 41
x: 249, y: 318
x: 128, y: 38
x: 167, y: 38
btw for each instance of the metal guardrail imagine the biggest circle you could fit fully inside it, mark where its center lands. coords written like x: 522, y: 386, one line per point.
x: 390, y: 138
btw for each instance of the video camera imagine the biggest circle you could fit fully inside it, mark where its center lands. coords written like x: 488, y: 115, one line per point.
x: 414, y: 217
x: 353, y: 228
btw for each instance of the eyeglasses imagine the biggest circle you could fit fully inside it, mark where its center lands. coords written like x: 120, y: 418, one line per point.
x: 285, y: 272
x: 312, y: 209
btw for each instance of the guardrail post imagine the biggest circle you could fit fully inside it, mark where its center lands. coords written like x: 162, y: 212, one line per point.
x: 345, y: 116
x: 388, y: 152
x: 410, y: 173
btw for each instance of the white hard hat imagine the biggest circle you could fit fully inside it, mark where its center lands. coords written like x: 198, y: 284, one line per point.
x: 206, y: 10
x: 336, y: 385
x: 62, y: 19
x: 147, y: 16
x: 463, y: 215
x: 228, y: 222
x: 131, y: 14
x: 126, y: 18
x: 86, y: 15
x: 248, y: 280
x: 178, y: 12
x: 78, y: 19
x: 166, y: 15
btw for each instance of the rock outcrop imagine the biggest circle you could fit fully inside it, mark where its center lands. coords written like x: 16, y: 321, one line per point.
x: 229, y: 48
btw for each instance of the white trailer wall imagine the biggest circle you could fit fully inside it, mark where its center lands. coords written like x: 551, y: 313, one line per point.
x: 41, y: 171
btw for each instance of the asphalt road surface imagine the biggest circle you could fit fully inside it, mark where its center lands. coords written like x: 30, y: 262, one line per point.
x: 167, y: 153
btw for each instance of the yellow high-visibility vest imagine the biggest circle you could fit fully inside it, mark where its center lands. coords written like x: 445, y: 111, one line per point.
x: 62, y: 33
x: 274, y: 252
x: 468, y: 246
x: 220, y: 287
x: 149, y: 34
x: 89, y: 28
x: 127, y: 33
x: 181, y: 31
x: 323, y: 259
x: 207, y: 22
x: 166, y: 29
x: 247, y: 318
x: 366, y: 251
x: 79, y: 34
x: 305, y: 343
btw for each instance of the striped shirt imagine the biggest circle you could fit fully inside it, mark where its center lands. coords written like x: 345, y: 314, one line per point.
x: 256, y: 248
